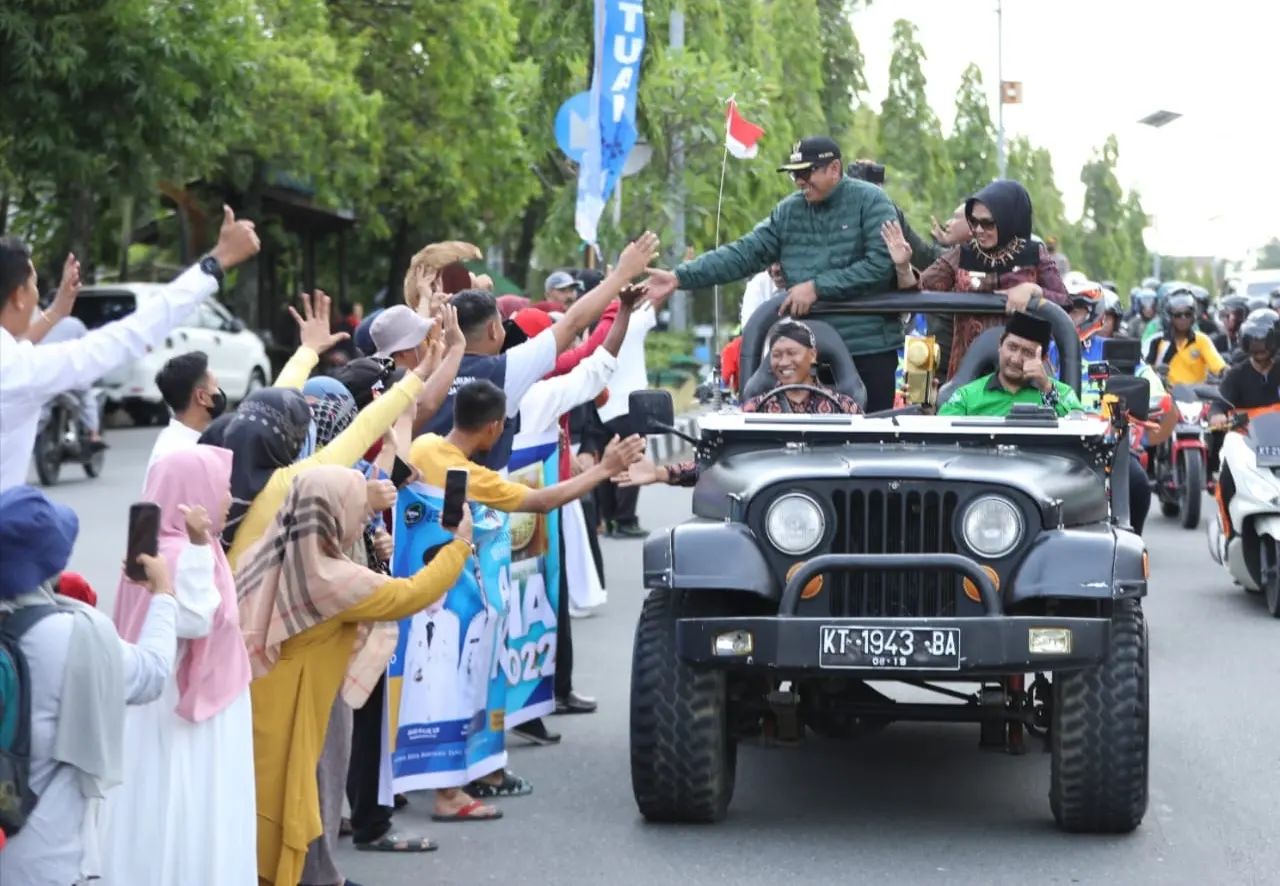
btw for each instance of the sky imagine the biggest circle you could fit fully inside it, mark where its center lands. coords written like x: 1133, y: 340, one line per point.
x: 1090, y: 68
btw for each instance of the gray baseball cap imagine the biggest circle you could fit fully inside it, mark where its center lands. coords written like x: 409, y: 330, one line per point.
x: 398, y: 328
x: 560, y: 280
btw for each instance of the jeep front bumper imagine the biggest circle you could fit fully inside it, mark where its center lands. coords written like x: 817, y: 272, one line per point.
x: 991, y: 644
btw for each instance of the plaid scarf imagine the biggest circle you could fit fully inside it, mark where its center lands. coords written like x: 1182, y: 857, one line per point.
x: 297, y: 576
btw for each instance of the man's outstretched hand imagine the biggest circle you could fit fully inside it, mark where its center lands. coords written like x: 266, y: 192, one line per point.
x: 237, y: 241
x: 314, y: 330
x: 660, y: 284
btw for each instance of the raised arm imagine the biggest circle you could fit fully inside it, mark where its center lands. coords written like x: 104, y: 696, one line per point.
x: 63, y: 302
x: 618, y: 456
x: 744, y: 257
x: 437, y: 386
x: 39, y: 373
x: 587, y: 309
x: 314, y: 336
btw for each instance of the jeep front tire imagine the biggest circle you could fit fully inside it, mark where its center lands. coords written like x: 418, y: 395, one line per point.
x: 1101, y: 727
x: 682, y: 758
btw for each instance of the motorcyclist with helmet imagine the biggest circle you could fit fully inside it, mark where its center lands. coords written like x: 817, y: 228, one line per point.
x: 1204, y: 311
x: 1183, y: 355
x: 1144, y: 302
x: 1233, y: 309
x: 1253, y: 384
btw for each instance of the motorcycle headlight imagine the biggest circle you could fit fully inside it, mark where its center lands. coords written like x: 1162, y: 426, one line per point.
x: 1191, y: 412
x: 992, y: 526
x: 795, y: 524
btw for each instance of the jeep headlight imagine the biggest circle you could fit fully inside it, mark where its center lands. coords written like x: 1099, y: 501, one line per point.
x: 795, y: 524
x: 992, y: 526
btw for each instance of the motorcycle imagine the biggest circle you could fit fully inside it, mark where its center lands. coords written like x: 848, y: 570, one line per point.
x: 1180, y: 463
x: 61, y: 437
x: 1245, y: 536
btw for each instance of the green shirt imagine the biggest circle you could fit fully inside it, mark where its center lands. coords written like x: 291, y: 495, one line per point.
x: 986, y: 396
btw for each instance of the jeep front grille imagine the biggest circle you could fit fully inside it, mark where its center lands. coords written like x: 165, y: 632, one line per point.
x: 889, y: 521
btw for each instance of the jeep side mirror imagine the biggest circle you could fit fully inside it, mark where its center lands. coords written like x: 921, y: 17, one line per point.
x: 652, y: 412
x: 235, y: 324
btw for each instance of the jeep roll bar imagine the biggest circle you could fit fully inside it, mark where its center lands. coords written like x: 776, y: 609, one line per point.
x: 1065, y: 334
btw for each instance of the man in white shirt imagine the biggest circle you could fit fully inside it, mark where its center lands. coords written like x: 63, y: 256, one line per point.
x: 760, y: 288
x: 29, y: 376
x: 194, y: 399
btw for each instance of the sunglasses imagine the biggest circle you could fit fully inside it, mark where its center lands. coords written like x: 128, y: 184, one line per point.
x: 982, y: 224
x: 1182, y: 315
x: 802, y: 175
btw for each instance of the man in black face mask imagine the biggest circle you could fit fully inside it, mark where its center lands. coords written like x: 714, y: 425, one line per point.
x: 192, y: 394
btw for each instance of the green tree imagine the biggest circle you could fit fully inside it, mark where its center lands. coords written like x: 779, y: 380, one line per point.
x: 1269, y: 255
x: 1135, y: 222
x: 911, y: 141
x: 1033, y: 167
x: 972, y: 146
x: 455, y: 100
x: 1104, y: 250
x: 104, y: 97
x: 843, y: 66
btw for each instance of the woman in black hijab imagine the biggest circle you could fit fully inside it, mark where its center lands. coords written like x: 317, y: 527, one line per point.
x: 1001, y: 257
x: 265, y: 433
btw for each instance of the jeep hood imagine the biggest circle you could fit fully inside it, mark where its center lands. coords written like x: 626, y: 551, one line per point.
x: 1067, y: 490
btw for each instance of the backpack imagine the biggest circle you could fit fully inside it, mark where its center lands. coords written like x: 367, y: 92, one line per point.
x: 16, y: 797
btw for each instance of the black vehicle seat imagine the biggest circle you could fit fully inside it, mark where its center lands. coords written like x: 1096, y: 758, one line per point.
x: 982, y: 358
x: 835, y: 367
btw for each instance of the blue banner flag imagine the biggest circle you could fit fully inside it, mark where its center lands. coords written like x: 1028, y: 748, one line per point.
x: 611, y: 123
x: 446, y: 694
x: 529, y: 640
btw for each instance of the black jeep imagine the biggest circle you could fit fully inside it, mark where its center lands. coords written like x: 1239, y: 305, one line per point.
x: 827, y: 551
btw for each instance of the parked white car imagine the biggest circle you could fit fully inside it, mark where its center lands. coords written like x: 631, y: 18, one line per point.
x: 237, y: 356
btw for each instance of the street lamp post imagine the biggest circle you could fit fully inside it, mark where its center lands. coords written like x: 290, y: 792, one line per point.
x: 1157, y: 120
x: 1000, y: 153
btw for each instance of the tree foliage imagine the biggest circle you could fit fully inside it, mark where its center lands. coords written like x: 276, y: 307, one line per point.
x: 433, y: 120
x: 972, y: 146
x: 1269, y: 255
x: 911, y: 139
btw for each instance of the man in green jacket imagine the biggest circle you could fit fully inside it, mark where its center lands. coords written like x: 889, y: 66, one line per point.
x: 827, y: 238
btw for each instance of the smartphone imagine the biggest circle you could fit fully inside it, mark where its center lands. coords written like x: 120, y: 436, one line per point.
x: 400, y: 472
x: 144, y: 538
x: 455, y: 497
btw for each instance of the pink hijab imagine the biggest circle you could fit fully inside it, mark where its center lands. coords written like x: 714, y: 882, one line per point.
x: 214, y: 669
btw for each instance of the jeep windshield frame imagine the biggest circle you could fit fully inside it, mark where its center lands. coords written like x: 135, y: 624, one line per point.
x: 1065, y: 334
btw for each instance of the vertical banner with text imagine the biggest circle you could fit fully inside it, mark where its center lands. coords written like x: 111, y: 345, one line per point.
x: 529, y: 648
x: 619, y: 33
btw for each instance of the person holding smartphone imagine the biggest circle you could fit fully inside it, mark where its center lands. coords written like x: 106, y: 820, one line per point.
x: 81, y: 677
x: 480, y: 413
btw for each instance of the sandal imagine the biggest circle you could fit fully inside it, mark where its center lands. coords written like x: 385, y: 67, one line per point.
x: 473, y: 811
x: 512, y: 785
x: 394, y: 842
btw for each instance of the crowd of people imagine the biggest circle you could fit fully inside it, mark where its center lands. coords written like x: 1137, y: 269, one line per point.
x: 210, y: 731
x: 236, y: 697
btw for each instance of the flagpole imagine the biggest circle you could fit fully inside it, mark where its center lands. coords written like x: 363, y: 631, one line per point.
x: 716, y: 379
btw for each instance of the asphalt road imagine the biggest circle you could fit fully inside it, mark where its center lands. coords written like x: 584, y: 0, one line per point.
x: 916, y: 804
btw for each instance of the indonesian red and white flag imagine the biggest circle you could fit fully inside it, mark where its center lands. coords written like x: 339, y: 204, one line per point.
x: 740, y: 136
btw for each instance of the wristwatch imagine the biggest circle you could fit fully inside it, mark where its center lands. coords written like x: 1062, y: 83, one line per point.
x: 210, y: 266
